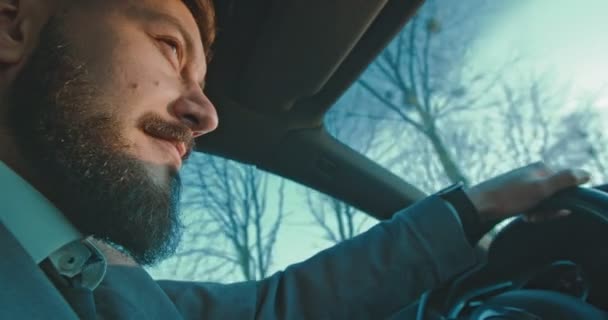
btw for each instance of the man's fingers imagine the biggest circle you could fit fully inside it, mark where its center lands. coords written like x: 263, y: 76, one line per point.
x: 566, y: 179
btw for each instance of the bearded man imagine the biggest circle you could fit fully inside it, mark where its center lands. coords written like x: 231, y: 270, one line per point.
x: 100, y: 103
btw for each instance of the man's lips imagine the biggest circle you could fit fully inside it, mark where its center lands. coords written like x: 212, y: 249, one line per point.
x: 181, y: 149
x: 177, y: 149
x: 174, y: 138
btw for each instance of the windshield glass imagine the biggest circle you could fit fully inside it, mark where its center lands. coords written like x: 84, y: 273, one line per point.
x: 466, y: 91
x: 471, y: 89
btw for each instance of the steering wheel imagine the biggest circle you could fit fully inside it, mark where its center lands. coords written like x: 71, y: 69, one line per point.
x: 555, y: 270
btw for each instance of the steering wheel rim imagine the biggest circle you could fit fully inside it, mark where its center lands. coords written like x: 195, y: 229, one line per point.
x: 585, y: 203
x: 579, y: 200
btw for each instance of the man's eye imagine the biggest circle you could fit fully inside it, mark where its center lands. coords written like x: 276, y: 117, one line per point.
x: 173, y: 47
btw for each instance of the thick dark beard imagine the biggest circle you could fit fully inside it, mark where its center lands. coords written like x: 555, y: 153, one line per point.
x: 71, y: 141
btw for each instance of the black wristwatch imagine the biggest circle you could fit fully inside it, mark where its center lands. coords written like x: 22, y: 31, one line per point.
x: 456, y: 196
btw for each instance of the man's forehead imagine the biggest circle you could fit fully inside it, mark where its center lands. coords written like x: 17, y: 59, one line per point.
x: 174, y: 10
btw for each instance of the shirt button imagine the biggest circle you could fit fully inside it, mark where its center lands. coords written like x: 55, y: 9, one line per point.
x: 69, y: 263
x: 70, y: 259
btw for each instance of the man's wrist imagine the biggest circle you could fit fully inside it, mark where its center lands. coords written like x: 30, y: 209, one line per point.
x: 483, y: 208
x: 466, y: 210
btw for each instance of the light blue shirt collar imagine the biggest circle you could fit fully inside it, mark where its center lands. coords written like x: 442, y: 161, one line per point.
x: 36, y: 223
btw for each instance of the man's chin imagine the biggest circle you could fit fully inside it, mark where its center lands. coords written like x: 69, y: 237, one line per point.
x: 152, y: 231
x: 161, y: 175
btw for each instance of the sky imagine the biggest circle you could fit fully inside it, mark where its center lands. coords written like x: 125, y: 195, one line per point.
x: 568, y: 38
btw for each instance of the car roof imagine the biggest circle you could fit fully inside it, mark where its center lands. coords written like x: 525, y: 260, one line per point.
x: 278, y: 67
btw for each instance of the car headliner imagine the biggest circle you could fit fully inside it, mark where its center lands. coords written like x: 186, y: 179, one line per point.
x: 278, y: 67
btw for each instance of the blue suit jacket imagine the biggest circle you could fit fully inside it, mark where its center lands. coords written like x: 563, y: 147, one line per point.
x: 371, y: 276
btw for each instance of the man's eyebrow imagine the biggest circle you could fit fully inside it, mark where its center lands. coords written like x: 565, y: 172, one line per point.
x: 149, y: 15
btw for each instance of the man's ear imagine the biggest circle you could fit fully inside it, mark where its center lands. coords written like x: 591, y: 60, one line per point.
x: 20, y: 25
x: 12, y: 44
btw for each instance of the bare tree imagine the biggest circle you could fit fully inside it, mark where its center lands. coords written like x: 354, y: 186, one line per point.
x: 544, y: 120
x: 422, y: 78
x: 586, y: 141
x: 415, y: 82
x: 338, y: 220
x: 459, y: 123
x: 235, y: 213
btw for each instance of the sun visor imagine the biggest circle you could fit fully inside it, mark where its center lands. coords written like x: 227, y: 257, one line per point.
x: 300, y: 47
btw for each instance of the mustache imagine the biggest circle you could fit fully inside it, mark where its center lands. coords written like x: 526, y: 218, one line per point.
x: 158, y: 127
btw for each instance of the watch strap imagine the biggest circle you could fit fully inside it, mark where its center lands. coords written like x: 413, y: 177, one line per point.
x: 457, y: 197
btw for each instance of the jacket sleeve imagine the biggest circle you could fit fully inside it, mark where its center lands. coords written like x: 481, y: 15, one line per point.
x: 368, y: 277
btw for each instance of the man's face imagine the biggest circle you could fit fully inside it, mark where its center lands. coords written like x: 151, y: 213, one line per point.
x: 106, y: 109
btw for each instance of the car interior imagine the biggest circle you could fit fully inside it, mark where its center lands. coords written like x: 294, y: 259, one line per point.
x: 279, y: 66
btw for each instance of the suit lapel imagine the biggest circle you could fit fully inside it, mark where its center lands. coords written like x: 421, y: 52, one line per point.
x: 26, y: 291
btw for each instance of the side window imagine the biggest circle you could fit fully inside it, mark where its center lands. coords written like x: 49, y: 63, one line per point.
x: 241, y: 223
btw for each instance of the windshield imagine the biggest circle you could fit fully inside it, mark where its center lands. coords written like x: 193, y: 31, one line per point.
x: 466, y: 91
x: 471, y: 89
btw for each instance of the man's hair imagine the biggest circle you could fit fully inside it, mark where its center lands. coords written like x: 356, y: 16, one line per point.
x: 204, y: 14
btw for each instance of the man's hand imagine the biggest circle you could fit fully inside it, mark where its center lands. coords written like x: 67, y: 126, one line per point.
x: 520, y: 190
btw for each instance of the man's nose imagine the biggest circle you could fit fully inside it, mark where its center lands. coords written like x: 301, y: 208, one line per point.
x: 196, y: 111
